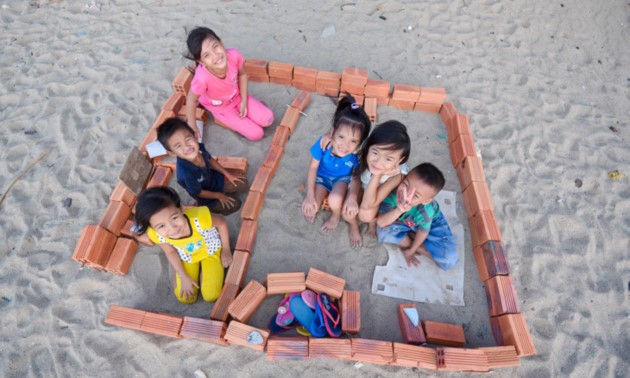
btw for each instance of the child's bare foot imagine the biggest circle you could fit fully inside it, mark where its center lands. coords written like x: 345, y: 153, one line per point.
x: 331, y: 224
x: 354, y: 233
x: 371, y: 231
x: 309, y: 218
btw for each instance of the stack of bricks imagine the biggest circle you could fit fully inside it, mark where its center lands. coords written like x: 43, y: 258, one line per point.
x: 353, y: 81
x: 280, y: 73
x: 430, y: 99
x: 340, y: 349
x: 280, y: 283
x: 328, y: 83
x: 411, y: 334
x: 247, y: 302
x: 378, y: 89
x: 351, y: 311
x: 204, y: 330
x: 322, y: 282
x: 305, y: 78
x: 257, y: 70
x: 372, y: 351
x: 237, y: 333
x: 414, y: 356
x: 287, y: 348
x: 459, y: 359
x: 444, y: 334
x: 404, y: 97
x: 501, y: 356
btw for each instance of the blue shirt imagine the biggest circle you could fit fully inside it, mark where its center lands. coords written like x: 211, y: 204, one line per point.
x: 332, y: 166
x: 195, y: 179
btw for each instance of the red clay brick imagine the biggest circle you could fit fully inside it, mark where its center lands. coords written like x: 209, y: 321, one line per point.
x: 461, y: 148
x: 81, y: 248
x: 372, y: 351
x: 461, y: 359
x: 281, y: 136
x: 377, y: 88
x: 514, y: 332
x: 491, y: 260
x: 162, y: 324
x: 258, y: 78
x: 99, y: 248
x: 484, y: 227
x: 340, y: 349
x: 303, y: 85
x: 293, y: 348
x: 115, y: 216
x: 256, y: 67
x: 408, y: 93
x: 477, y: 197
x: 125, y: 317
x: 304, y: 74
x: 458, y: 126
x: 122, y: 193
x: 234, y: 164
x: 253, y: 205
x: 182, y: 81
x: 322, y: 282
x: 262, y: 180
x: 432, y: 95
x: 237, y: 334
x: 427, y: 107
x: 220, y: 308
x: 122, y: 256
x: 290, y: 118
x: 444, y: 334
x: 370, y: 108
x: 501, y: 294
x: 247, y: 302
x: 174, y: 103
x: 470, y: 170
x: 247, y: 236
x: 238, y: 269
x: 280, y: 80
x: 161, y: 177
x: 207, y: 330
x: 501, y: 356
x: 301, y: 101
x: 272, y: 160
x: 411, y: 334
x: 280, y: 283
x: 448, y: 113
x: 401, y: 104
x: 414, y: 356
x: 351, y: 311
x: 280, y: 70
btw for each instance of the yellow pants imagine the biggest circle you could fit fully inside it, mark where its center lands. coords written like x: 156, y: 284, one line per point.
x: 212, y: 274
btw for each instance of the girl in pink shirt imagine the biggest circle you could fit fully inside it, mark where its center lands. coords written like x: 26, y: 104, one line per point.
x: 220, y: 85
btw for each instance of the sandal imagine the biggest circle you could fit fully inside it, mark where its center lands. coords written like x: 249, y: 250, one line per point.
x: 332, y: 319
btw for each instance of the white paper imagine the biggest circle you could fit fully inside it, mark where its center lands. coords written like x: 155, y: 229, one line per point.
x: 155, y: 149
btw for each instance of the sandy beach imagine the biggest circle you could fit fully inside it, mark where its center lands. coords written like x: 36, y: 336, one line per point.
x: 546, y: 87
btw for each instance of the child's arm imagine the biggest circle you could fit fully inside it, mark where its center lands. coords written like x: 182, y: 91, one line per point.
x: 350, y: 205
x: 233, y: 178
x: 226, y: 252
x: 309, y: 205
x: 192, y: 101
x: 385, y: 219
x: 242, y: 85
x: 188, y: 285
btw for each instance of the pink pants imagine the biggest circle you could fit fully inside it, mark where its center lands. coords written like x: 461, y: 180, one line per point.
x: 251, y: 126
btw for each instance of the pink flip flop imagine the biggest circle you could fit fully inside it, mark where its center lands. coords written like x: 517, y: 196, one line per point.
x: 285, y: 316
x: 309, y: 298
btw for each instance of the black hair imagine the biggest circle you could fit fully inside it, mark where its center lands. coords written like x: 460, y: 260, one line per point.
x: 195, y: 40
x: 430, y: 175
x: 152, y: 201
x: 349, y: 113
x: 392, y: 135
x: 169, y: 127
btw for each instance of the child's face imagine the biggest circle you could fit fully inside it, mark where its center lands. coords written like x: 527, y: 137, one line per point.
x: 170, y: 222
x: 213, y: 55
x: 345, y: 140
x: 183, y: 144
x: 381, y: 160
x: 422, y: 193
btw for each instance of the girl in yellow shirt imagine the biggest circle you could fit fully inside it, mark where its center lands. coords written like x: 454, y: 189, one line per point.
x: 196, y: 243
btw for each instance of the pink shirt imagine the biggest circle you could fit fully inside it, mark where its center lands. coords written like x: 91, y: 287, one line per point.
x: 217, y: 94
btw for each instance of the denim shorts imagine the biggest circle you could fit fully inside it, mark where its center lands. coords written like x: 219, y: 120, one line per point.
x: 329, y: 182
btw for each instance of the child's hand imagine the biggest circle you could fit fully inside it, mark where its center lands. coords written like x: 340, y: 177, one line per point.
x: 324, y: 144
x: 410, y: 257
x: 234, y: 178
x: 309, y: 208
x: 404, y: 203
x: 225, y: 200
x: 243, y: 108
x: 226, y: 258
x: 350, y: 207
x: 188, y: 288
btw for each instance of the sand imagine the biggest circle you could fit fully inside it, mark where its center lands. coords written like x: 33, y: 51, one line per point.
x: 545, y: 85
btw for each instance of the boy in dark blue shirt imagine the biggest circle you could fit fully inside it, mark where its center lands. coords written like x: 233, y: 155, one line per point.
x: 197, y: 172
